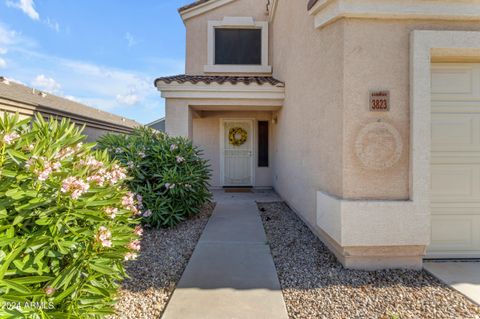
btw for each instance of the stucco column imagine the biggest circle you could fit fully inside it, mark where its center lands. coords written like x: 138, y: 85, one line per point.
x: 178, y: 118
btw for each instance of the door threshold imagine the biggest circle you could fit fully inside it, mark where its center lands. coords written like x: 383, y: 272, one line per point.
x: 238, y: 189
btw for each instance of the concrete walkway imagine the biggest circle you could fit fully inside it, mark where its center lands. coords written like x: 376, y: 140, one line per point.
x: 231, y: 273
x: 463, y: 276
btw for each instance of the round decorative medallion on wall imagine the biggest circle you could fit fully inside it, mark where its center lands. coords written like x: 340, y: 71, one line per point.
x: 237, y: 136
x: 378, y: 146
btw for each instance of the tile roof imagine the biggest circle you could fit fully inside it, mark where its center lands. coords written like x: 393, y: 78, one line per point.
x: 220, y: 79
x: 192, y: 5
x: 60, y: 106
x: 311, y: 3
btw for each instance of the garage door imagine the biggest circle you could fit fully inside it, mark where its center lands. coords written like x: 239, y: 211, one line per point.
x: 455, y: 161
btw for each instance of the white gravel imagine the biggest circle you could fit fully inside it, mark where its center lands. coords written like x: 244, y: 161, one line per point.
x: 154, y: 275
x: 315, y: 285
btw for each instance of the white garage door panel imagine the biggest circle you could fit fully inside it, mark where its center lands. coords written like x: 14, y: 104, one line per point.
x: 452, y: 80
x: 455, y: 161
x: 455, y: 132
x: 453, y: 231
x: 455, y: 183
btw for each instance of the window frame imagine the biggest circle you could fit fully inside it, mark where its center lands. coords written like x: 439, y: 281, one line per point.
x: 237, y: 23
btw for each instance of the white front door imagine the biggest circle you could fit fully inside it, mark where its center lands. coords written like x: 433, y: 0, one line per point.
x: 455, y: 161
x: 237, y: 168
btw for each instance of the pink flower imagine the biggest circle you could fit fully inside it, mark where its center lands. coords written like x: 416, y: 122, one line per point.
x: 169, y: 186
x: 147, y: 213
x: 103, y: 236
x: 10, y: 138
x: 139, y: 201
x: 97, y: 179
x: 138, y: 230
x: 173, y: 147
x: 130, y: 256
x: 134, y: 245
x: 74, y: 186
x: 56, y: 166
x: 180, y: 159
x: 49, y: 290
x: 128, y: 200
x: 116, y: 174
x: 92, y: 163
x: 111, y: 212
x: 107, y: 243
x: 65, y: 153
x: 43, y: 175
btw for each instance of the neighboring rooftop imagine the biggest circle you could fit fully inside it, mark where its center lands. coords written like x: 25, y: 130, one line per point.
x: 158, y: 125
x: 208, y: 79
x: 55, y: 105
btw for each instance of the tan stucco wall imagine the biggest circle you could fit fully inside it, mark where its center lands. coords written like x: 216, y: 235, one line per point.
x: 308, y: 147
x: 328, y: 74
x: 196, y: 27
x: 377, y: 56
x: 206, y: 135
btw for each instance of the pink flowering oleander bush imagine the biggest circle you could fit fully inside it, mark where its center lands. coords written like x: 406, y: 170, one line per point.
x: 168, y: 172
x: 67, y: 223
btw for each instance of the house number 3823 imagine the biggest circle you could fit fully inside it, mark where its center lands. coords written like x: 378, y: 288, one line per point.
x: 379, y: 101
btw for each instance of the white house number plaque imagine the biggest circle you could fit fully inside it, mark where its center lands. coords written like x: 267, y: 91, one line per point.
x: 380, y: 101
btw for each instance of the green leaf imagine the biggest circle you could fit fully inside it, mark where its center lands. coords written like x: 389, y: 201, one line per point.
x: 101, y: 269
x: 44, y: 221
x: 6, y: 241
x: 65, y: 293
x: 15, y: 286
x: 18, y: 219
x: 16, y: 155
x: 8, y: 173
x: 31, y: 279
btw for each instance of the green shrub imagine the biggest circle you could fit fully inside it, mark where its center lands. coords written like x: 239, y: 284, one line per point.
x: 66, y: 222
x: 167, y: 171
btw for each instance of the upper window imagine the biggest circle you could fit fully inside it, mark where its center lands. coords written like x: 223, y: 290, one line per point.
x: 238, y: 46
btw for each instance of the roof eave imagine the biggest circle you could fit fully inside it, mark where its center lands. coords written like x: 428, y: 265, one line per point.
x: 202, y: 8
x: 217, y: 91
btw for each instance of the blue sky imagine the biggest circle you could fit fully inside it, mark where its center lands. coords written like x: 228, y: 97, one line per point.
x: 104, y: 53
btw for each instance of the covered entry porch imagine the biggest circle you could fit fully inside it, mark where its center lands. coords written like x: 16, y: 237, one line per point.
x: 232, y: 119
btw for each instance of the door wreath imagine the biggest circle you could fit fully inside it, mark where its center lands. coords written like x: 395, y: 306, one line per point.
x: 237, y: 136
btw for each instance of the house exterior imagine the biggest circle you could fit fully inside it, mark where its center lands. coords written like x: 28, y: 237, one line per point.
x: 26, y: 101
x: 158, y: 125
x: 363, y: 115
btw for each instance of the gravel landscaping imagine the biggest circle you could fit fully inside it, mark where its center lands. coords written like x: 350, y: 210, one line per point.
x: 315, y: 285
x: 154, y: 275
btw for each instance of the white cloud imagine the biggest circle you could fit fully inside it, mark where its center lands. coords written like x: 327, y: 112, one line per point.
x: 52, y: 24
x: 100, y: 86
x: 130, y: 40
x: 7, y: 37
x: 3, y: 63
x: 3, y: 51
x: 27, y: 6
x: 128, y: 99
x: 45, y: 83
x: 12, y: 39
